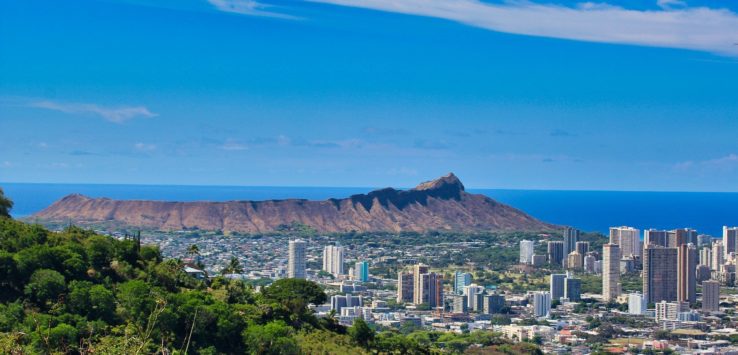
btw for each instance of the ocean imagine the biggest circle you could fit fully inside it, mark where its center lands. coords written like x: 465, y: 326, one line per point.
x: 593, y: 211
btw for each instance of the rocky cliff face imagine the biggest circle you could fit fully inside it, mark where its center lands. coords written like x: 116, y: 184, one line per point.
x: 441, y: 204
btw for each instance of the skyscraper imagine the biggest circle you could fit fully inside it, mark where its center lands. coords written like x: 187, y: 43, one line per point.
x: 296, y: 259
x: 706, y: 257
x: 582, y: 248
x: 678, y: 237
x: 730, y: 240
x: 555, y: 252
x: 362, y: 271
x: 610, y: 272
x: 333, y: 260
x: 656, y: 237
x: 629, y: 240
x: 589, y: 263
x: 573, y: 289
x: 686, y: 279
x: 474, y: 294
x: 574, y: 261
x: 636, y: 304
x: 718, y: 255
x: 710, y: 296
x: 427, y: 287
x: 461, y: 279
x: 571, y: 237
x: 659, y: 274
x: 405, y: 287
x: 557, y: 285
x: 541, y: 304
x: 527, y: 248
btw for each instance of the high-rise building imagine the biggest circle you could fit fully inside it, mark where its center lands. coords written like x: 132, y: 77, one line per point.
x: 575, y: 261
x: 461, y: 280
x: 571, y: 237
x: 589, y: 263
x: 710, y: 296
x: 296, y: 259
x: 686, y: 279
x: 659, y: 274
x: 706, y: 257
x: 493, y: 303
x: 541, y: 304
x: 361, y: 271
x: 656, y: 237
x: 333, y: 260
x: 405, y: 285
x: 703, y: 240
x: 474, y: 294
x: 573, y: 289
x: 730, y: 240
x: 459, y: 304
x: 427, y: 287
x: 341, y: 301
x: 557, y: 286
x: 555, y: 252
x: 629, y: 240
x: 527, y: 248
x: 610, y: 272
x: 718, y: 255
x: 582, y: 248
x: 678, y: 237
x: 703, y: 273
x: 636, y: 303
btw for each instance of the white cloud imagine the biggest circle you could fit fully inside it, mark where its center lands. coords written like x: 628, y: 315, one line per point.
x: 233, y: 145
x: 727, y: 162
x: 667, y: 4
x: 112, y: 114
x: 693, y: 28
x: 247, y: 7
x: 144, y: 147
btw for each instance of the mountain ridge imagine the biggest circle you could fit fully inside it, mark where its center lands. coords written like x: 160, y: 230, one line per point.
x: 440, y: 204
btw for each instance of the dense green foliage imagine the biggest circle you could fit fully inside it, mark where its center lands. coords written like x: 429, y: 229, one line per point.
x: 5, y: 205
x: 78, y: 292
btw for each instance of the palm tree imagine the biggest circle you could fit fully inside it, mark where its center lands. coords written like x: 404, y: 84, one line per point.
x: 233, y: 267
x: 5, y: 205
x: 193, y: 250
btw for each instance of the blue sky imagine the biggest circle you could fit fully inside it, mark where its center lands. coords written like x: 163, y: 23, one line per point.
x: 630, y: 95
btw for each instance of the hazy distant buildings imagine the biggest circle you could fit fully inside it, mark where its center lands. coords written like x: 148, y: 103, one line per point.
x: 333, y: 260
x: 459, y: 304
x: 730, y: 240
x: 556, y: 252
x: 703, y: 273
x: 686, y: 267
x: 710, y: 296
x: 461, y: 280
x: 610, y: 272
x: 527, y: 248
x: 659, y: 274
x: 296, y: 259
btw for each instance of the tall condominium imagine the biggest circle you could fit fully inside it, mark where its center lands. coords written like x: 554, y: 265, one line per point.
x: 659, y: 274
x: 703, y: 240
x: 527, y: 248
x: 571, y: 237
x: 686, y: 279
x: 333, y: 260
x: 573, y: 289
x: 474, y: 297
x: 557, y: 284
x: 629, y: 240
x: 610, y: 272
x: 556, y: 252
x: 405, y: 287
x: 589, y: 263
x: 678, y: 237
x: 541, y: 304
x: 461, y: 280
x: 637, y: 303
x: 710, y: 296
x: 361, y: 270
x: 656, y: 237
x: 730, y: 240
x: 718, y: 255
x: 706, y: 257
x: 296, y: 259
x: 582, y: 248
x: 575, y: 261
x: 427, y: 286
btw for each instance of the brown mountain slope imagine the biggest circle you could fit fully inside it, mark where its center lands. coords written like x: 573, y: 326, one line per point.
x: 441, y: 204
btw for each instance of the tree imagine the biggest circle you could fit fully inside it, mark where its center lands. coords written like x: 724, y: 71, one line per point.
x: 233, y: 267
x: 361, y: 333
x: 45, y: 286
x: 286, y: 290
x: 5, y: 205
x: 193, y: 250
x: 271, y: 338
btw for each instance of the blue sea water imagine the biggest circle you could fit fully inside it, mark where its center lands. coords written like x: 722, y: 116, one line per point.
x: 587, y: 210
